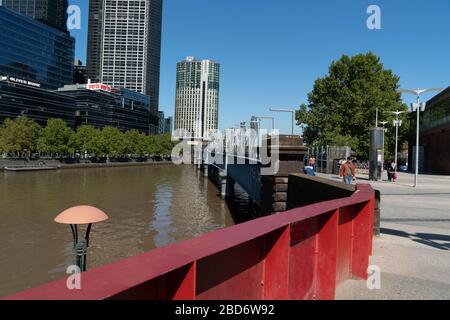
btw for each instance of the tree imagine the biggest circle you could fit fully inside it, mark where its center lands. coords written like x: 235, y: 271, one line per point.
x: 56, y: 138
x: 342, y: 106
x: 135, y: 142
x: 114, y: 141
x: 19, y: 135
x: 89, y: 140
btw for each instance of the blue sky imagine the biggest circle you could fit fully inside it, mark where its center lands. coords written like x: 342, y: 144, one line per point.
x: 272, y: 51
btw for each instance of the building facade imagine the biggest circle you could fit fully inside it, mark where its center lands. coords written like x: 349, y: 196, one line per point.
x: 168, y: 124
x: 50, y: 12
x: 33, y: 51
x: 124, y: 45
x: 25, y: 98
x: 197, y: 98
x: 101, y: 105
x: 79, y: 73
x: 434, y: 135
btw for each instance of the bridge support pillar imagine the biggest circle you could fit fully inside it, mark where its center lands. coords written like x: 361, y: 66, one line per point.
x: 290, y: 152
x: 230, y: 187
x: 226, y: 186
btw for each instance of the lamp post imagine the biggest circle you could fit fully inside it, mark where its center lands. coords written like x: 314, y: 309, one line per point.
x: 383, y: 123
x: 76, y: 216
x: 417, y: 107
x: 289, y: 111
x: 269, y: 118
x: 397, y: 123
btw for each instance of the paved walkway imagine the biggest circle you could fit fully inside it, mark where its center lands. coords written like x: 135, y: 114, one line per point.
x: 413, y: 251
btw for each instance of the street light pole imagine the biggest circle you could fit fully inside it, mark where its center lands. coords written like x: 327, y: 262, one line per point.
x: 269, y: 118
x: 383, y: 123
x: 287, y: 110
x: 397, y: 124
x: 418, y: 107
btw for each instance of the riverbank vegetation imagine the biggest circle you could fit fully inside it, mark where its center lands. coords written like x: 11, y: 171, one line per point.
x: 23, y: 137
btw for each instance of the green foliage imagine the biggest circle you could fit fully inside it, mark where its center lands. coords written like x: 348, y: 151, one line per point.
x: 164, y: 145
x: 19, y: 135
x: 88, y: 140
x: 114, y: 141
x: 342, y: 106
x: 56, y: 138
x: 159, y: 145
x: 135, y: 143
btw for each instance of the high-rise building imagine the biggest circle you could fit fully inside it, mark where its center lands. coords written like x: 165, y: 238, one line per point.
x: 168, y: 125
x: 50, y: 12
x: 33, y: 51
x: 197, y: 97
x: 124, y: 45
x: 95, y: 37
x: 79, y: 72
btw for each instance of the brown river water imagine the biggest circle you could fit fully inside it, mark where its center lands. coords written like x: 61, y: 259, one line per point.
x: 148, y: 207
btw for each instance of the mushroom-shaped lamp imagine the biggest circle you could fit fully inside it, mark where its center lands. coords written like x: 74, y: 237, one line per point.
x: 76, y: 216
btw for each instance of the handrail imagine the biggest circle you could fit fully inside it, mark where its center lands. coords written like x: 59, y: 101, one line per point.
x: 323, y: 239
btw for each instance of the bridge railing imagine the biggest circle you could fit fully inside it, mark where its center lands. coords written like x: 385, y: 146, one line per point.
x: 299, y: 254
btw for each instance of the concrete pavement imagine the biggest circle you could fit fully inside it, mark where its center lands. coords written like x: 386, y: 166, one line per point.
x: 413, y: 251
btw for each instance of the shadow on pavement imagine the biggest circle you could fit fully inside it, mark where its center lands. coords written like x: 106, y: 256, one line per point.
x: 428, y: 239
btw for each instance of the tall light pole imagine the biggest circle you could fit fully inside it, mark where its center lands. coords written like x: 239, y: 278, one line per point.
x: 417, y: 107
x: 383, y: 123
x: 397, y: 124
x: 287, y: 110
x: 269, y: 118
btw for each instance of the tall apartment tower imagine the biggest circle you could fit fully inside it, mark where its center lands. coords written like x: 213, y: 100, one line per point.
x: 197, y: 97
x: 50, y: 12
x: 124, y: 45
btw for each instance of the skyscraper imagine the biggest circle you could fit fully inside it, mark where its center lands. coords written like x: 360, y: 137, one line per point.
x: 33, y: 51
x: 50, y: 12
x: 197, y: 97
x: 124, y: 45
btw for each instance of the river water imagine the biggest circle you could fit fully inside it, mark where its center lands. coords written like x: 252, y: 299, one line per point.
x: 148, y: 207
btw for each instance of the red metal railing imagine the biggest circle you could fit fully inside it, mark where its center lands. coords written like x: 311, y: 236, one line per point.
x: 299, y: 254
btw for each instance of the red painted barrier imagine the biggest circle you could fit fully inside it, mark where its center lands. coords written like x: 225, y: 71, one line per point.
x: 299, y: 254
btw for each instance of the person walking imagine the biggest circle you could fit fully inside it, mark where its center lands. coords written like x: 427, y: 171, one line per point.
x: 392, y: 175
x: 348, y: 171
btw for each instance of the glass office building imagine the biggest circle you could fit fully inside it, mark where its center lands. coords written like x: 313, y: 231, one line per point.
x: 120, y: 108
x: 50, y: 12
x: 434, y: 135
x: 33, y: 51
x: 21, y: 98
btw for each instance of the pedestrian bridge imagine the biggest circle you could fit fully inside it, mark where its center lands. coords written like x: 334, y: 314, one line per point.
x: 262, y: 171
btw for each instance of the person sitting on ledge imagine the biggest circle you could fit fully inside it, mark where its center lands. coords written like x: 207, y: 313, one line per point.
x: 309, y: 170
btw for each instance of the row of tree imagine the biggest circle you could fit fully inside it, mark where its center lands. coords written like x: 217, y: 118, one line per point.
x: 24, y: 136
x: 342, y: 105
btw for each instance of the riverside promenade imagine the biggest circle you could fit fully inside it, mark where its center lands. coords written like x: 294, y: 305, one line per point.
x: 413, y: 250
